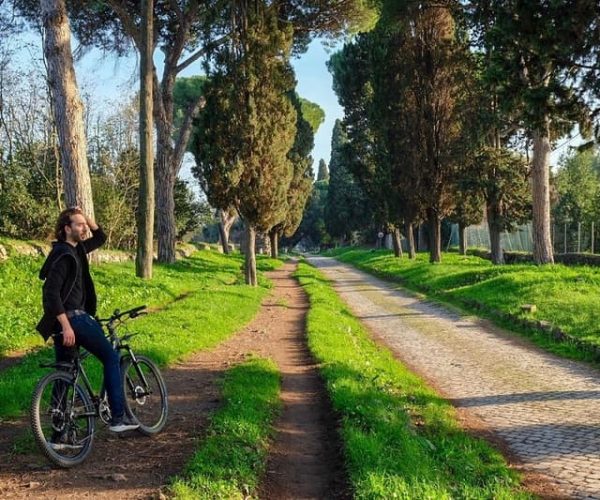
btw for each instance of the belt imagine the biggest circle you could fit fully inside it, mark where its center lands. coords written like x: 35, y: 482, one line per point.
x: 75, y: 312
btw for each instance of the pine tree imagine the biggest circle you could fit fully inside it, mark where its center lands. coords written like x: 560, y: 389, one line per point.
x: 539, y: 53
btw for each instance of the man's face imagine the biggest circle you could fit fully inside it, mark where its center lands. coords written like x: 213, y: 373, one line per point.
x: 77, y: 230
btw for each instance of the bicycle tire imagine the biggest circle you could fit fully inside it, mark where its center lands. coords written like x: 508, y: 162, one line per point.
x: 48, y: 419
x: 145, y: 397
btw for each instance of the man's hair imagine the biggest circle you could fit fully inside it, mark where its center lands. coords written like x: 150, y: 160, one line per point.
x: 64, y: 219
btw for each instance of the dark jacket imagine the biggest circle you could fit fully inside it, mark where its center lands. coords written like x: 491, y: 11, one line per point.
x: 59, y: 272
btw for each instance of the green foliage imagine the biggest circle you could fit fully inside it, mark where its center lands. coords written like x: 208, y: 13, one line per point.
x: 400, y: 439
x: 577, y: 185
x: 28, y: 191
x: 302, y: 178
x: 538, y: 54
x: 347, y: 208
x: 197, y: 303
x: 311, y: 232
x: 501, y: 178
x: 249, y: 124
x: 556, y: 290
x: 312, y: 113
x: 186, y: 91
x: 190, y: 214
x: 323, y: 172
x: 231, y: 460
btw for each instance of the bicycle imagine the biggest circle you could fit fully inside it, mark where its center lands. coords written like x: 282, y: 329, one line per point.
x: 64, y: 412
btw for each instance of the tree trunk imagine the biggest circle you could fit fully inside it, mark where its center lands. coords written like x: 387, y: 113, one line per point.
x: 223, y: 234
x: 145, y: 235
x: 250, y: 256
x: 422, y: 243
x: 497, y: 253
x: 165, y: 200
x: 435, y: 244
x: 410, y: 235
x: 397, y: 242
x: 462, y: 236
x: 540, y: 175
x: 274, y: 237
x: 68, y: 108
x: 226, y: 220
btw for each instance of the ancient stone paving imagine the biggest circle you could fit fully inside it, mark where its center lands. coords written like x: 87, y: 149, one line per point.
x: 545, y: 409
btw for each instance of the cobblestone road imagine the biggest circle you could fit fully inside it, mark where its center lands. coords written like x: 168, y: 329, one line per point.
x: 546, y: 409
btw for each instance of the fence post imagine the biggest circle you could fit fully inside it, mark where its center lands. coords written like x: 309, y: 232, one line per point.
x: 592, y: 237
x: 565, y: 244
x: 579, y: 237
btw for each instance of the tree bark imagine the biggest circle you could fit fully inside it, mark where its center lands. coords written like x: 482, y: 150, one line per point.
x: 223, y: 234
x: 145, y: 235
x: 540, y: 175
x: 274, y: 237
x: 410, y: 235
x: 250, y: 256
x: 497, y: 253
x: 396, y: 240
x: 68, y: 108
x: 165, y: 199
x: 422, y: 243
x: 462, y: 236
x: 226, y: 220
x: 435, y: 245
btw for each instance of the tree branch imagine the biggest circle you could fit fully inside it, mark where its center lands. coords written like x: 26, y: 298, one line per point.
x: 127, y: 21
x: 185, y: 131
x: 197, y: 55
x: 175, y: 6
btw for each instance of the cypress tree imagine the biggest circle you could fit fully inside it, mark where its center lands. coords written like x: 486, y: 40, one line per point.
x: 249, y: 124
x: 323, y: 172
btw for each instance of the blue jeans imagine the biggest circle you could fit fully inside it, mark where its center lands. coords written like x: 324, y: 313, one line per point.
x: 90, y: 336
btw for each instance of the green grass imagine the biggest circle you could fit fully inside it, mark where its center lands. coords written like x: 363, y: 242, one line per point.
x: 401, y: 439
x: 231, y: 459
x: 565, y: 296
x: 215, y: 305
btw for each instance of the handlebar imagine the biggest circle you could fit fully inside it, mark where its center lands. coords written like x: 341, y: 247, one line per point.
x: 132, y: 313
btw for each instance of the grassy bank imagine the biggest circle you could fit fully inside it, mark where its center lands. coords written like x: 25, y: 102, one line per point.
x: 565, y: 297
x: 199, y: 301
x: 401, y: 439
x: 231, y: 459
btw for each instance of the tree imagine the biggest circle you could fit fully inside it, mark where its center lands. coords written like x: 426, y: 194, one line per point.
x: 437, y: 60
x: 302, y: 179
x: 68, y: 109
x: 467, y: 211
x: 578, y: 187
x: 311, y: 233
x: 347, y: 208
x: 145, y: 224
x: 249, y: 125
x: 323, y: 172
x: 539, y: 52
x: 185, y: 32
x: 501, y: 177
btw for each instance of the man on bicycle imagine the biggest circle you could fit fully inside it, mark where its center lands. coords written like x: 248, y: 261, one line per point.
x: 69, y: 301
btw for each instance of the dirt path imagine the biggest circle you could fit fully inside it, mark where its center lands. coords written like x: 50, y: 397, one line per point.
x: 544, y: 409
x: 305, y: 462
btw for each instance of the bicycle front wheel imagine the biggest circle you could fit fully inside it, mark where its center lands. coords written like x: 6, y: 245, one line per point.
x: 62, y: 419
x: 145, y: 394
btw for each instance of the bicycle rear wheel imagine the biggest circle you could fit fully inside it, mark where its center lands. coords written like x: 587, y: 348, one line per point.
x: 145, y: 394
x: 62, y: 419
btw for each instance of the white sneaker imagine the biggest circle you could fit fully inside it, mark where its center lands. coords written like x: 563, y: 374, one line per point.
x: 125, y: 424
